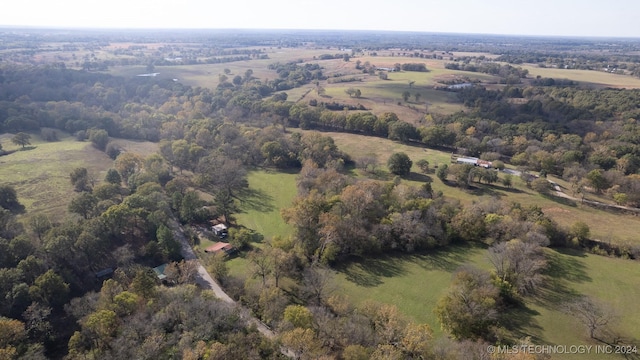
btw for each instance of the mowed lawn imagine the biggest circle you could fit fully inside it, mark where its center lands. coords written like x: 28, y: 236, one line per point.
x: 269, y: 192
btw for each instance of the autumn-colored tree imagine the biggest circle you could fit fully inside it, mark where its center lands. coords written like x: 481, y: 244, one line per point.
x: 471, y: 307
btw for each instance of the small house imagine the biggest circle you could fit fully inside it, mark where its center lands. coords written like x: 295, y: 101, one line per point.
x: 220, y: 230
x: 159, y: 270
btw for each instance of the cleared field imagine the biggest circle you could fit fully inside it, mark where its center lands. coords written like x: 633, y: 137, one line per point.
x: 269, y: 191
x: 614, y: 282
x: 40, y: 173
x: 591, y: 77
x: 414, y: 283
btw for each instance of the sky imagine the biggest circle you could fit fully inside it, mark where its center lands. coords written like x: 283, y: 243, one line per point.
x: 613, y: 18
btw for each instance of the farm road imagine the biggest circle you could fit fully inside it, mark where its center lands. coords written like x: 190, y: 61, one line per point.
x: 205, y: 280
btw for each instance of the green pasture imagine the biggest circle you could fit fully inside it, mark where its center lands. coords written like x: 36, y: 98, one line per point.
x: 588, y: 77
x: 413, y: 283
x: 613, y: 282
x: 269, y: 191
x: 40, y: 172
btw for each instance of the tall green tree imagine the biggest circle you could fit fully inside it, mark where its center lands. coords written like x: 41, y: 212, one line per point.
x: 399, y: 163
x: 22, y: 139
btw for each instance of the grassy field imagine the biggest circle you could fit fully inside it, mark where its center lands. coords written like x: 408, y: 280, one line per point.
x: 589, y: 77
x: 40, y: 173
x: 269, y: 192
x: 415, y: 283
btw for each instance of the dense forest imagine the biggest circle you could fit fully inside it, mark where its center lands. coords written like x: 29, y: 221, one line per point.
x: 83, y: 288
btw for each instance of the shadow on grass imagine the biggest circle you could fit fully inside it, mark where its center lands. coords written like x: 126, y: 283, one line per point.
x: 482, y: 190
x: 563, y: 269
x: 379, y: 174
x: 521, y: 323
x: 370, y: 272
x: 561, y: 200
x: 27, y: 148
x: 413, y: 176
x: 256, y: 200
x: 446, y: 259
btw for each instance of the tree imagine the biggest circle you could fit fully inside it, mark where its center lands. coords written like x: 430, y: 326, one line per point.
x: 99, y: 138
x: 470, y: 309
x: 541, y: 185
x: 597, y: 180
x: 443, y: 172
x: 423, y: 164
x: 579, y: 231
x: 113, y: 177
x: 299, y: 316
x: 519, y: 264
x: 80, y: 179
x: 9, y: 199
x: 593, y: 315
x: 49, y: 288
x: 169, y: 245
x: 507, y: 181
x: 417, y: 96
x: 128, y: 164
x: 406, y: 95
x: 402, y: 131
x: 84, y: 205
x: 22, y: 139
x: 367, y: 162
x: 260, y: 265
x: 39, y: 224
x: 357, y: 93
x: 399, y: 164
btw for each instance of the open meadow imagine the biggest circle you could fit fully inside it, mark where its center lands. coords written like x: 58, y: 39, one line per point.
x: 40, y: 172
x: 594, y: 78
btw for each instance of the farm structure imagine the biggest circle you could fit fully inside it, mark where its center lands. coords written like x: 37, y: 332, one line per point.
x: 472, y: 161
x: 221, y: 247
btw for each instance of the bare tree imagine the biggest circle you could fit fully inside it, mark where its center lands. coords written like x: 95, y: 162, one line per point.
x: 318, y: 283
x: 519, y: 263
x: 593, y: 315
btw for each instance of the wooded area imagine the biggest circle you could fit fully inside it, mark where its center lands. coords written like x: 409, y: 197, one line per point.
x: 84, y: 287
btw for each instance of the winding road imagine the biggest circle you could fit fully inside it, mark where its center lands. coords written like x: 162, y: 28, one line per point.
x: 205, y: 280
